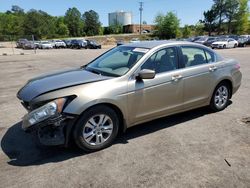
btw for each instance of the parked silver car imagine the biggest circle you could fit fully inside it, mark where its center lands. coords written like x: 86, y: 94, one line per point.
x: 126, y: 86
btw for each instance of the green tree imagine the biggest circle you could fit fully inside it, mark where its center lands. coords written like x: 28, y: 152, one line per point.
x: 61, y: 27
x: 40, y: 24
x: 199, y: 29
x: 242, y: 23
x: 91, y: 23
x: 11, y: 25
x: 186, y: 31
x: 220, y: 9
x: 17, y: 9
x: 209, y: 19
x: 167, y: 26
x: 73, y: 21
x: 231, y: 11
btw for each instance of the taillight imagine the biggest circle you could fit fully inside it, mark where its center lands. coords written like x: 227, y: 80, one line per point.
x: 237, y: 66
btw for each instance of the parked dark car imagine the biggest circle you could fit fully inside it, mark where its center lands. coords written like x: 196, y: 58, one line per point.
x: 193, y: 39
x: 202, y: 40
x: 207, y: 41
x: 242, y: 41
x: 29, y: 45
x: 248, y: 38
x: 21, y: 42
x: 210, y: 41
x: 91, y: 44
x: 235, y: 37
x: 78, y: 44
x: 67, y: 42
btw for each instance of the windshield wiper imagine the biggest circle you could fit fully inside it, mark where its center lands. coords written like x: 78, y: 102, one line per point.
x: 96, y: 72
x: 93, y: 71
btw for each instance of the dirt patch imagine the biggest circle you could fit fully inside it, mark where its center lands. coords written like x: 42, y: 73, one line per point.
x: 246, y: 120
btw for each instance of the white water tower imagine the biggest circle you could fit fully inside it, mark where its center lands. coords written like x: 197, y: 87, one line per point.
x: 120, y: 17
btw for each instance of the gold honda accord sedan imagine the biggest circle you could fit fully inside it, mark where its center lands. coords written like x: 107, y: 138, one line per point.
x: 126, y: 86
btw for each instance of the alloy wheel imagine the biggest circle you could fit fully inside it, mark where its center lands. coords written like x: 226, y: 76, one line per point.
x: 98, y: 129
x: 221, y: 97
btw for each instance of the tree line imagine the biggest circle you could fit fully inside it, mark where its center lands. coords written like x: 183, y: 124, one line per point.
x: 16, y: 22
x: 224, y: 17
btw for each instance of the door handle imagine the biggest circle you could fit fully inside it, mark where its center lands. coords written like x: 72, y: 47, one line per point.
x: 212, y: 68
x: 176, y: 78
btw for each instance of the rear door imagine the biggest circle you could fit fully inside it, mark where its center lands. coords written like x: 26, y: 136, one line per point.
x: 198, y: 75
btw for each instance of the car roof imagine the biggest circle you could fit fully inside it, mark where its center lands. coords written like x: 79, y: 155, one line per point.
x: 152, y: 44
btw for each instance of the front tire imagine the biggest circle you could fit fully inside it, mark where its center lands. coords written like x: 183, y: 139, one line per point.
x: 220, y: 98
x: 96, y: 129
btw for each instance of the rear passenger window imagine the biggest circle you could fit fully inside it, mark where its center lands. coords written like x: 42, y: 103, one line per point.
x: 193, y: 56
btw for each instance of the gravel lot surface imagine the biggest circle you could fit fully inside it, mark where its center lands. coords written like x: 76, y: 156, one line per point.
x: 192, y: 149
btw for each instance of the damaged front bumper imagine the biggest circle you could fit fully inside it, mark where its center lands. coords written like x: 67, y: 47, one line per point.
x: 53, y: 131
x: 49, y: 122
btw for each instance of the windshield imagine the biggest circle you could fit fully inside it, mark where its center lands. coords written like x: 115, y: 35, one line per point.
x: 117, y: 61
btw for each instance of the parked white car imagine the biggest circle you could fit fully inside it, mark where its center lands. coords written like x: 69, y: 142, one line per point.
x: 45, y: 45
x: 225, y: 43
x: 58, y: 44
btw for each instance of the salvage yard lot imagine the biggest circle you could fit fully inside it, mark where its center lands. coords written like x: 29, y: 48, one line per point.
x: 191, y: 149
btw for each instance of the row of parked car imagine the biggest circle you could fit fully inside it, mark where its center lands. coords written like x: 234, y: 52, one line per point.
x: 225, y: 41
x: 67, y: 43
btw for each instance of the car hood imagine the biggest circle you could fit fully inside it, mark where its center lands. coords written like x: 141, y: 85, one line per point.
x: 220, y: 42
x: 55, y: 81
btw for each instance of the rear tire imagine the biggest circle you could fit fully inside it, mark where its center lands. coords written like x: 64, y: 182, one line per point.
x: 220, y: 98
x: 96, y: 129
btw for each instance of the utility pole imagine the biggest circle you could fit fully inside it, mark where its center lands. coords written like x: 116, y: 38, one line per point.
x: 141, y: 9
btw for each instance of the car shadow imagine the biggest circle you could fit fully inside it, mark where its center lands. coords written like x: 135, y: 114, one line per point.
x: 23, y: 149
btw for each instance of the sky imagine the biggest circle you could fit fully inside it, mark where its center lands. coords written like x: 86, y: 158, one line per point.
x: 188, y: 11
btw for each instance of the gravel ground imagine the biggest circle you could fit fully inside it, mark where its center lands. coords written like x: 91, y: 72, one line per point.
x: 192, y: 149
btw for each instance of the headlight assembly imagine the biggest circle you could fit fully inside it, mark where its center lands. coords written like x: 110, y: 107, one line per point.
x: 44, y: 112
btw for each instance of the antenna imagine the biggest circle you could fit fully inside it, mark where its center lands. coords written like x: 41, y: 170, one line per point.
x: 141, y: 9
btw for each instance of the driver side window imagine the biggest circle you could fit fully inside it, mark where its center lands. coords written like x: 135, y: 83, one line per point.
x: 162, y: 61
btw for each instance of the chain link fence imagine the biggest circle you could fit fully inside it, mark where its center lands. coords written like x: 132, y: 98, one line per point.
x: 17, y: 45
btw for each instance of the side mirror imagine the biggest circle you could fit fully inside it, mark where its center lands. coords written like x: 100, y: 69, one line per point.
x: 145, y: 74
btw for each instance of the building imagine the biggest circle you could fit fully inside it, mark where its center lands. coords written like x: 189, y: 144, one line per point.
x: 135, y: 28
x: 120, y: 17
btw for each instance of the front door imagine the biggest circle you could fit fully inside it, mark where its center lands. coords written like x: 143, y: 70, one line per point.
x: 148, y: 99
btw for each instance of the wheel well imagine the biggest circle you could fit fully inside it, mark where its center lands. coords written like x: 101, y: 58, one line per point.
x: 122, y: 125
x: 229, y: 83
